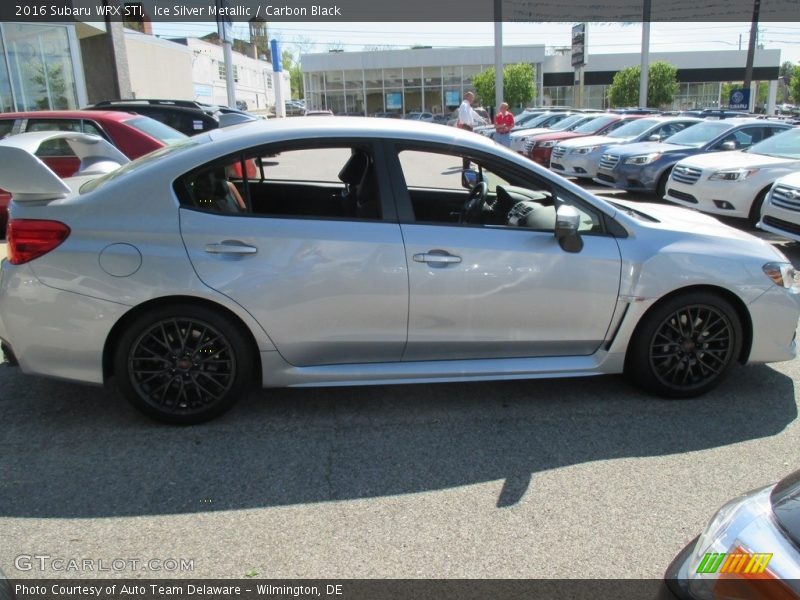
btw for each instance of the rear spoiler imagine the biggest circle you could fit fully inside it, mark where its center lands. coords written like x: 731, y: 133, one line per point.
x: 27, y: 178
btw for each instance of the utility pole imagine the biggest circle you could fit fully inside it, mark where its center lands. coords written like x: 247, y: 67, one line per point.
x: 225, y: 27
x: 498, y: 54
x: 751, y: 51
x: 645, y: 69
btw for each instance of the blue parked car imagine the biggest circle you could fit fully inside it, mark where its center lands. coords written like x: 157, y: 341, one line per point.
x: 645, y: 166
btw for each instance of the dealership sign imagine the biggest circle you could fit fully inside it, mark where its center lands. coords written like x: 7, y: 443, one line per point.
x: 739, y: 100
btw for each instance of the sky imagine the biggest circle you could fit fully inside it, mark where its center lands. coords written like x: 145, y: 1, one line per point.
x: 603, y: 38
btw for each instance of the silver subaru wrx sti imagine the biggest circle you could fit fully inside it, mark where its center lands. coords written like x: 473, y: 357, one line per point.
x: 339, y: 251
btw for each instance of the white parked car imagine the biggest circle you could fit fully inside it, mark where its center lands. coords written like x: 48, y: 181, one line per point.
x: 734, y: 184
x: 351, y: 251
x: 781, y: 211
x: 579, y: 157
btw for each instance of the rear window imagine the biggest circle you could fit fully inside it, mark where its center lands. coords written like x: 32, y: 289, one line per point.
x: 135, y: 165
x: 163, y: 133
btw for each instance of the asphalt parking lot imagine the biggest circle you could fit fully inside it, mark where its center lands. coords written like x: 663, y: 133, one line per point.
x: 555, y: 479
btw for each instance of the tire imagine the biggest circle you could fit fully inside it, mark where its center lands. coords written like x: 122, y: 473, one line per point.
x: 661, y: 188
x: 684, y: 346
x: 183, y: 364
x: 755, y: 209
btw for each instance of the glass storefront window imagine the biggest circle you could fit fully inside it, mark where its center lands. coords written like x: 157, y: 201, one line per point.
x: 334, y: 80
x: 392, y: 78
x: 42, y: 72
x: 353, y: 80
x: 412, y: 76
x: 6, y: 99
x: 469, y: 72
x: 373, y: 78
x: 452, y: 76
x: 432, y: 76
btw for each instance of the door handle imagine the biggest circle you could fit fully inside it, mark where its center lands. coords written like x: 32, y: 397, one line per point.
x: 231, y: 247
x: 438, y: 257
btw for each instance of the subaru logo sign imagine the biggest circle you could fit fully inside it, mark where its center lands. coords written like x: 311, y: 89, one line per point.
x: 739, y: 99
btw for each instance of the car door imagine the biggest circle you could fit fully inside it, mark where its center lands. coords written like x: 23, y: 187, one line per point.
x: 318, y: 262
x: 498, y: 288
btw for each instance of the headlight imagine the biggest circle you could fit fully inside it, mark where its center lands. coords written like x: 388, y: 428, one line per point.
x: 585, y: 150
x: 733, y: 174
x: 784, y: 275
x: 548, y: 144
x: 642, y: 159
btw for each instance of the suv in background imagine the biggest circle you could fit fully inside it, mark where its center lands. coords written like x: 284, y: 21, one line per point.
x: 187, y: 116
x: 646, y: 166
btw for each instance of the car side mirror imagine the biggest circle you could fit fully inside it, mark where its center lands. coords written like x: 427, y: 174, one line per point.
x: 654, y: 138
x: 567, y: 221
x: 728, y: 145
x: 470, y: 178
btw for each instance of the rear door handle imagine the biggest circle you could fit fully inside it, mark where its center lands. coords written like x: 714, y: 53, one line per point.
x: 437, y: 257
x: 231, y: 247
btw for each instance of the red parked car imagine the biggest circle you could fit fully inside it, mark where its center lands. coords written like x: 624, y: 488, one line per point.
x: 134, y: 135
x: 541, y: 147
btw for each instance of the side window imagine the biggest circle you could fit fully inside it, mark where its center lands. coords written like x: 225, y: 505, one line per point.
x: 6, y: 125
x: 670, y: 129
x: 513, y: 199
x: 770, y: 131
x: 54, y: 148
x: 334, y: 182
x: 743, y: 138
x: 91, y: 128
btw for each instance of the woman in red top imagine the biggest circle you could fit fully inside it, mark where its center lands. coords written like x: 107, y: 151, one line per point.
x: 503, y: 123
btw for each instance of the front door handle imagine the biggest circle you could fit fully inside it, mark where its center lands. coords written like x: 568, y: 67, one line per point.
x: 231, y: 247
x: 437, y: 257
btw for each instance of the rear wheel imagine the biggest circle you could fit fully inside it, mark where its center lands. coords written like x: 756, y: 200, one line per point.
x: 685, y: 346
x: 661, y: 188
x: 183, y: 364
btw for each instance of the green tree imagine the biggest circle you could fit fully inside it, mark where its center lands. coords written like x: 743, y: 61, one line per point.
x: 662, y: 85
x: 794, y: 85
x: 295, y: 73
x: 518, y: 85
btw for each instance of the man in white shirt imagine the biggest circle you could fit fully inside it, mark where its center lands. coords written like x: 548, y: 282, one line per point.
x: 466, y: 120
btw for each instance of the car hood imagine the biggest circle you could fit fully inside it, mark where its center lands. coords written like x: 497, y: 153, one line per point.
x: 785, y: 500
x: 651, y: 147
x: 683, y: 220
x: 791, y: 180
x: 591, y: 140
x: 562, y: 135
x: 734, y: 160
x: 528, y: 132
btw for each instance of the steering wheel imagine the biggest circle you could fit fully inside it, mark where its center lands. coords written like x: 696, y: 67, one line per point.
x: 475, y: 202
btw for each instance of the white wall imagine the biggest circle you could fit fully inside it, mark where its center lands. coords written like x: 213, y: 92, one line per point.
x: 256, y: 81
x: 158, y: 68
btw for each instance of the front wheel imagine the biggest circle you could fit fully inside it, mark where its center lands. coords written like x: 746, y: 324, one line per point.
x: 755, y: 209
x: 685, y: 346
x: 183, y: 364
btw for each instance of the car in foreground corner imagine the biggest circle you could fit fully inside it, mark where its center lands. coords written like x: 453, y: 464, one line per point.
x: 734, y: 184
x: 780, y: 213
x: 646, y: 166
x: 357, y: 252
x: 749, y: 550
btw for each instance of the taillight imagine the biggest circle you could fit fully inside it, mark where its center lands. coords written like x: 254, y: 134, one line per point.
x: 31, y: 238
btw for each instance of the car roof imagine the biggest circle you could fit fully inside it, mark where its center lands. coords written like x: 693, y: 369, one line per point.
x: 341, y: 126
x: 97, y: 115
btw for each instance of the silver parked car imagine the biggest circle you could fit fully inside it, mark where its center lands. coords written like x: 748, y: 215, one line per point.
x: 339, y: 251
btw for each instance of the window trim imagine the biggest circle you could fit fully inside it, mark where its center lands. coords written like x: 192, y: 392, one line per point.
x: 405, y: 208
x: 372, y: 145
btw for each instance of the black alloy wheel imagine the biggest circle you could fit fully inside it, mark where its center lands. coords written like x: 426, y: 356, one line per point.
x: 182, y: 365
x: 685, y: 346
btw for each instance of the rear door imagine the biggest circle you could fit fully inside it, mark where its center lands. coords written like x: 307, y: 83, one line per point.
x: 326, y: 279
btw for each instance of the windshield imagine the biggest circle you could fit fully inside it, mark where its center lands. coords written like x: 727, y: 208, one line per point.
x: 596, y: 124
x: 155, y: 129
x: 780, y: 145
x: 536, y: 120
x: 699, y: 134
x: 634, y: 128
x: 135, y: 165
x: 569, y: 122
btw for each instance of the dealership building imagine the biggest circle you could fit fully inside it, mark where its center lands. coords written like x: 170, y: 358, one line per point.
x: 434, y: 79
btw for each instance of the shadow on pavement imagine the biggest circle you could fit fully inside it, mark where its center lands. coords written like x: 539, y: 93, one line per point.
x: 70, y: 451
